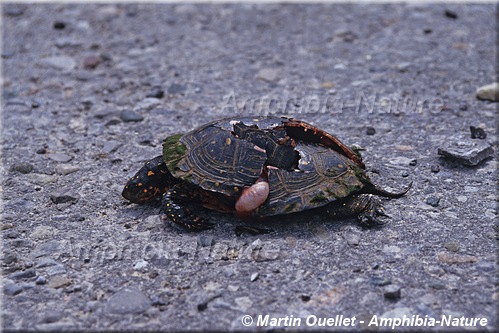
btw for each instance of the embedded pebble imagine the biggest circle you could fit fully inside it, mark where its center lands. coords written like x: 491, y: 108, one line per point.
x: 49, y: 248
x: 413, y: 162
x: 64, y: 195
x: 41, y: 280
x: 57, y: 269
x: 254, y: 277
x: 9, y: 258
x: 400, y: 160
x: 453, y: 258
x: 128, y: 300
x: 390, y: 249
x: 433, y: 201
x: 370, y: 131
x: 321, y: 232
x: 22, y: 167
x: 12, y: 289
x: 59, y: 25
x: 176, y: 88
x: 156, y: 92
x: 477, y: 133
x: 66, y: 42
x: 489, y: 92
x: 486, y: 266
x: 268, y: 74
x: 58, y: 157
x: 205, y: 240
x: 64, y: 63
x: 91, y: 62
x: 59, y: 281
x: 404, y: 66
x: 146, y: 104
x: 392, y: 291
x: 435, y: 168
x: 52, y: 316
x: 140, y: 264
x: 452, y: 246
x: 352, y: 239
x: 130, y: 116
x: 66, y: 169
x: 450, y: 14
x: 29, y: 273
x: 43, y: 232
x: 243, y: 303
x: 152, y: 222
x: 379, y: 281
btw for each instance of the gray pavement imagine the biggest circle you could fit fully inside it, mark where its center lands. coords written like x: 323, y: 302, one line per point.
x: 90, y: 91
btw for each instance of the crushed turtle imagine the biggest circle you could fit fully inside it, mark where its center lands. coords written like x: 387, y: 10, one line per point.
x: 257, y: 167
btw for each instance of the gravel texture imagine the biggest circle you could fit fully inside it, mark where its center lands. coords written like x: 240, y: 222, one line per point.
x: 90, y: 91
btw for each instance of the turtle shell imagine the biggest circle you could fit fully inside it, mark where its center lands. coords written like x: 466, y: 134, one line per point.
x: 215, y: 159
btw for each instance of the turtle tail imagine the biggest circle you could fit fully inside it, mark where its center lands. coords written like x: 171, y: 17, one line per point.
x: 376, y: 190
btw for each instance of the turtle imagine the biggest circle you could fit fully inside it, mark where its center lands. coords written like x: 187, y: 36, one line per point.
x: 257, y: 167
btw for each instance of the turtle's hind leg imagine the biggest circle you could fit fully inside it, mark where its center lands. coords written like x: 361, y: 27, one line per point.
x: 180, y: 213
x: 365, y: 207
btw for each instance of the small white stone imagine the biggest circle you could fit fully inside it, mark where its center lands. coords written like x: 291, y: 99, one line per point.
x: 254, y: 276
x: 65, y: 169
x: 43, y: 232
x: 141, y: 263
x: 391, y: 249
x: 489, y: 92
x: 243, y: 303
x: 268, y: 74
x: 60, y: 62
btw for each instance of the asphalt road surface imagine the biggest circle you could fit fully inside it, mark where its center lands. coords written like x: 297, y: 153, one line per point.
x: 91, y: 90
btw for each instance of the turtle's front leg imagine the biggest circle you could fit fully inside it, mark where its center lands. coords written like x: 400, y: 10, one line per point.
x: 366, y: 207
x: 179, y: 212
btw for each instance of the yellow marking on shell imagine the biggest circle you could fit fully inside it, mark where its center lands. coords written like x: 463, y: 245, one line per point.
x: 145, y: 190
x: 340, y: 166
x: 217, y: 184
x: 139, y: 184
x: 150, y: 173
x: 305, y: 129
x: 228, y: 141
x: 236, y: 189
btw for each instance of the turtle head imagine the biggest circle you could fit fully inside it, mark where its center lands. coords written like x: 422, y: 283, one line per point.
x: 152, y: 180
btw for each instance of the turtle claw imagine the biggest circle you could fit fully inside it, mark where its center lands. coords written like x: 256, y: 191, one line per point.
x: 181, y: 216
